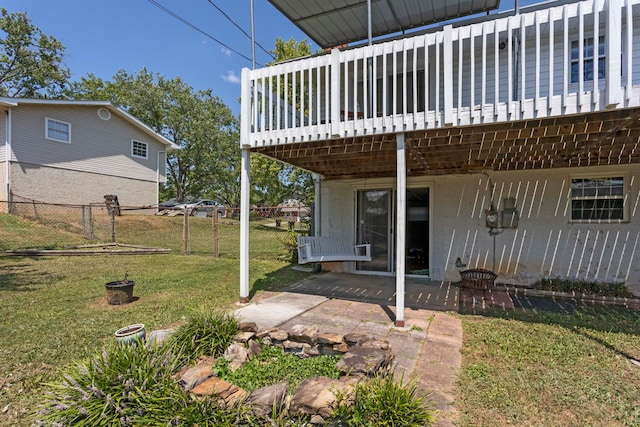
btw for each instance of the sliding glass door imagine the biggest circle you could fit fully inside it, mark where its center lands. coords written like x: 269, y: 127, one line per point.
x: 374, y: 225
x: 375, y: 220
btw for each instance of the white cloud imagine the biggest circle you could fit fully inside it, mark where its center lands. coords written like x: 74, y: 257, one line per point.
x: 225, y: 51
x: 231, y: 77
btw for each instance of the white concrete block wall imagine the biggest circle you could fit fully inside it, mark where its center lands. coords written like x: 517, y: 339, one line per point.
x: 545, y: 243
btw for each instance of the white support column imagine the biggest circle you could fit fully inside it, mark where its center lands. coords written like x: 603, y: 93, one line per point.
x: 244, y: 225
x: 245, y: 187
x: 401, y: 217
x: 317, y: 187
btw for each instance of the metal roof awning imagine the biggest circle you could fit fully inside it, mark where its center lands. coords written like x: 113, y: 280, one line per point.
x: 332, y: 23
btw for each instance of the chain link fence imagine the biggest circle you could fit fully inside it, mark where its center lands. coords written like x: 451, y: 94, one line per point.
x: 35, y: 225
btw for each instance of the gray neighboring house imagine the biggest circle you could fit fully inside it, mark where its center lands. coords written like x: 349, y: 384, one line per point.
x: 77, y: 152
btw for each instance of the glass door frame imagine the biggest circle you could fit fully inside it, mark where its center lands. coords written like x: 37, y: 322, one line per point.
x: 392, y: 225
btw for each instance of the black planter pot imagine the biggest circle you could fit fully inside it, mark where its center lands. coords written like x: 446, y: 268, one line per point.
x: 119, y: 292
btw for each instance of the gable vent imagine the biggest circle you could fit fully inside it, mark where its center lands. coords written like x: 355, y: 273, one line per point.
x: 104, y: 114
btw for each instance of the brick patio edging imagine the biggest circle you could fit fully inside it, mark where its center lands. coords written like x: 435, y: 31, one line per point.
x: 633, y: 303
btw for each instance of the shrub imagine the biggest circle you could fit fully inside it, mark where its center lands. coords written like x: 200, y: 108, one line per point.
x: 290, y: 241
x: 383, y: 402
x: 119, y: 386
x: 206, y: 332
x: 583, y: 286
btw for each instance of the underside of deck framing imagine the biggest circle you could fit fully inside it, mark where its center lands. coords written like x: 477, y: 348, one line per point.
x: 593, y: 139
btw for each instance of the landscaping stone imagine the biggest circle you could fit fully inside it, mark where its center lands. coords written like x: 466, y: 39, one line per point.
x: 237, y: 355
x: 364, y: 361
x: 279, y: 335
x: 264, y: 399
x: 317, y: 396
x: 244, y: 336
x: 311, y: 352
x: 376, y: 343
x: 263, y: 333
x: 225, y: 391
x: 355, y: 338
x: 295, y: 347
x: 196, y: 375
x: 341, y: 348
x: 302, y: 333
x: 329, y: 338
x: 248, y: 327
x: 254, y: 348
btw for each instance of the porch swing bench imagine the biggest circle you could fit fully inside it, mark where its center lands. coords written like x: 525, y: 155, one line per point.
x: 329, y: 249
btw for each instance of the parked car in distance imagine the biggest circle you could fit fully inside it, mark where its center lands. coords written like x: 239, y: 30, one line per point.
x: 203, y: 207
x: 167, y: 204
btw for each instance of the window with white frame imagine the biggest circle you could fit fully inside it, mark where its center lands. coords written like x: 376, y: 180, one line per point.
x: 597, y: 198
x: 58, y: 131
x: 139, y: 149
x: 589, y: 54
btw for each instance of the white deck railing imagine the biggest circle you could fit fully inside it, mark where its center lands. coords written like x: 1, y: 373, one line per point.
x: 537, y: 64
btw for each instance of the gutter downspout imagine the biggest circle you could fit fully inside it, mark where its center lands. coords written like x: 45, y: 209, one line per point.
x: 317, y: 186
x: 158, y: 174
x: 7, y: 158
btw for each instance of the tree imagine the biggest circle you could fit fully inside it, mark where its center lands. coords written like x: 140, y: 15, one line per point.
x: 205, y: 129
x: 274, y: 181
x: 290, y: 50
x: 30, y: 61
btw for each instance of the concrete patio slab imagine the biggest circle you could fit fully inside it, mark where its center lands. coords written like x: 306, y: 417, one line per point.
x: 278, y: 309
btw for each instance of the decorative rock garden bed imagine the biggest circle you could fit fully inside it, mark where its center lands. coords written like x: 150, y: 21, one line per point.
x: 361, y: 357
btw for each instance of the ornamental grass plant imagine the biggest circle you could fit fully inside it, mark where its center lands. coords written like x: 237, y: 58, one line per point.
x: 385, y: 402
x: 206, y: 332
x: 127, y: 385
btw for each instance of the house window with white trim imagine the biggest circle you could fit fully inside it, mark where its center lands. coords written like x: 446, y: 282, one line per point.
x: 58, y: 131
x: 588, y: 56
x: 597, y: 198
x: 139, y: 149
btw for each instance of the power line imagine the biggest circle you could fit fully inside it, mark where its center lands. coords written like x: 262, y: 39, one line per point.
x: 240, y: 28
x: 204, y: 33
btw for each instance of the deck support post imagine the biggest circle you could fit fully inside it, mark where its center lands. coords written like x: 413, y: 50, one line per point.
x: 245, y: 189
x: 401, y: 217
x: 244, y: 226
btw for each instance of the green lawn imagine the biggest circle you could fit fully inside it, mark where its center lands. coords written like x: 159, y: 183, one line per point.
x: 54, y: 309
x: 542, y: 369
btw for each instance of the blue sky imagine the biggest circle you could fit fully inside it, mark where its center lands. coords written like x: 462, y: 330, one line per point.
x: 104, y: 37
x: 107, y: 36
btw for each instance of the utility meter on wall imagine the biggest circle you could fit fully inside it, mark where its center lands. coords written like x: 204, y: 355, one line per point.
x: 492, y: 218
